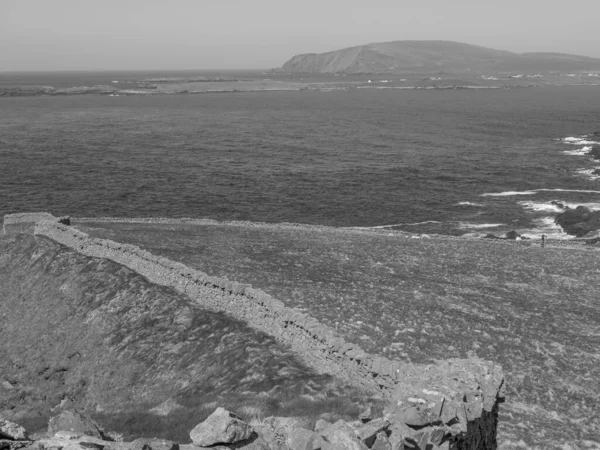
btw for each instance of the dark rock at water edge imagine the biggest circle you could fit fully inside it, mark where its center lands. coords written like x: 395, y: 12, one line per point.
x: 579, y: 221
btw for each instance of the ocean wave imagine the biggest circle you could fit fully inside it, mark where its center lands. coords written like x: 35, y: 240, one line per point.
x: 402, y: 224
x: 581, y: 140
x: 591, y: 174
x: 579, y: 152
x: 535, y: 191
x: 545, y: 206
x: 557, y: 206
x: 469, y: 204
x: 547, y: 227
x: 466, y: 225
x: 508, y: 193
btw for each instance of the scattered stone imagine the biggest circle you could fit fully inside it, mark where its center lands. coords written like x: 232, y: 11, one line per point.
x: 322, y: 424
x: 12, y: 431
x: 366, y: 415
x: 382, y: 442
x: 340, y: 436
x: 6, y: 444
x: 368, y: 432
x: 221, y: 427
x: 74, y: 421
x: 302, y: 439
x: 71, y: 441
x: 153, y: 444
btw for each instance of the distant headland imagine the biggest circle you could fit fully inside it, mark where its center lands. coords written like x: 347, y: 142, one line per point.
x: 400, y: 57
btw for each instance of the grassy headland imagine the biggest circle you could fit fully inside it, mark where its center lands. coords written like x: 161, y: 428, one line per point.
x: 533, y: 310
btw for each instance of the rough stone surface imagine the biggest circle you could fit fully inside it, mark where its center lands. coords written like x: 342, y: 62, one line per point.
x: 322, y: 424
x: 6, y: 444
x: 75, y: 422
x: 153, y: 444
x: 221, y: 427
x: 369, y: 431
x: 340, y: 436
x: 12, y: 431
x: 381, y: 442
x: 302, y: 439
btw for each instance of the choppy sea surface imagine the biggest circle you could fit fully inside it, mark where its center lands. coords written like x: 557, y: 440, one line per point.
x: 429, y: 161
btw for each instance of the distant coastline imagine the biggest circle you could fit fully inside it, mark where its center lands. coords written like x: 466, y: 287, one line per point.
x: 299, y: 82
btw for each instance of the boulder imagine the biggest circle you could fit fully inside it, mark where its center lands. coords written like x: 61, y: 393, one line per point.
x: 513, y: 235
x: 368, y: 432
x: 76, y: 422
x: 340, y: 436
x: 302, y: 439
x: 322, y: 424
x: 12, y: 431
x: 579, y: 221
x: 382, y: 442
x: 221, y: 427
x: 66, y: 440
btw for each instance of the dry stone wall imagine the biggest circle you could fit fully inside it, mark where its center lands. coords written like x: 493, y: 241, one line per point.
x: 455, y: 398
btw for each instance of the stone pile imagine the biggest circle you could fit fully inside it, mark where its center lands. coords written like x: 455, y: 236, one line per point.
x: 73, y: 430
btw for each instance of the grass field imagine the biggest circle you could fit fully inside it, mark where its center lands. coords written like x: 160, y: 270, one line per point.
x: 145, y: 359
x: 533, y: 310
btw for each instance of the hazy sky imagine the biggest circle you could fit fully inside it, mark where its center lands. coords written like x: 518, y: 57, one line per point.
x: 240, y: 34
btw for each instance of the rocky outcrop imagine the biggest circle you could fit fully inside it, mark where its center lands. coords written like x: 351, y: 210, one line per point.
x: 579, y: 221
x: 453, y: 400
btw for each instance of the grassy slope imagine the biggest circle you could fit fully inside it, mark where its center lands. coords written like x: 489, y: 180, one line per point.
x: 535, y: 311
x: 104, y: 336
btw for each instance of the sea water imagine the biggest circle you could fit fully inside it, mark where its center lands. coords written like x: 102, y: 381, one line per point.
x: 434, y: 161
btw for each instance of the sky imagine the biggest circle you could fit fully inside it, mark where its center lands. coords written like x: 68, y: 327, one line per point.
x: 262, y: 34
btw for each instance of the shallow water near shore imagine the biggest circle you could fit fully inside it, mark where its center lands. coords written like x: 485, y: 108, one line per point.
x: 442, y: 161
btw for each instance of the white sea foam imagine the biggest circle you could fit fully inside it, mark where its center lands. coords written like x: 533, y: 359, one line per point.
x: 546, y: 207
x: 533, y: 192
x: 579, y: 140
x: 572, y: 139
x: 468, y: 204
x: 546, y: 226
x: 579, y: 152
x: 590, y: 174
x: 507, y: 193
x: 403, y: 224
x: 465, y: 225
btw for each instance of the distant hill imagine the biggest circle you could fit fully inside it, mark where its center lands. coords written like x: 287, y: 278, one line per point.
x: 427, y: 56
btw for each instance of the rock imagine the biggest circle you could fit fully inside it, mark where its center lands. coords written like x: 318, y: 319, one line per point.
x: 221, y: 427
x: 6, y: 444
x: 579, y: 221
x: 72, y: 441
x: 12, y: 431
x: 322, y: 424
x: 302, y: 439
x: 340, y: 436
x: 368, y: 432
x: 153, y: 444
x: 74, y: 421
x: 381, y: 442
x: 513, y: 235
x: 366, y: 415
x: 491, y: 236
